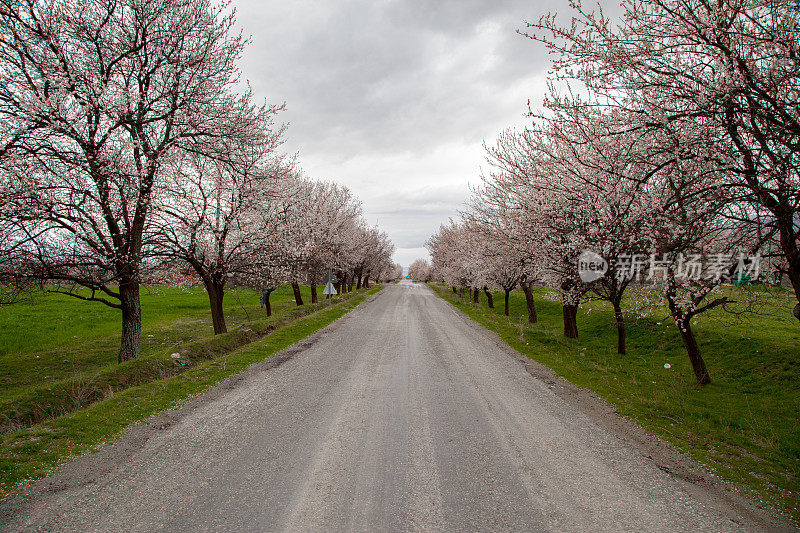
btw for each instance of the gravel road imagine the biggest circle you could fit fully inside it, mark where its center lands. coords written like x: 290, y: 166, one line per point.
x: 403, y: 415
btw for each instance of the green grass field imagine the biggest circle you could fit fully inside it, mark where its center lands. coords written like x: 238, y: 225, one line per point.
x: 55, y: 322
x: 58, y: 353
x: 63, y: 392
x: 745, y: 425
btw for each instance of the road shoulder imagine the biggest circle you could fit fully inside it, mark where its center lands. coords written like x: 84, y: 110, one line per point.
x: 699, y: 482
x: 91, y: 465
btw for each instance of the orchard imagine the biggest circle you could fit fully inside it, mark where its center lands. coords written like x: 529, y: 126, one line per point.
x: 127, y: 145
x: 667, y: 147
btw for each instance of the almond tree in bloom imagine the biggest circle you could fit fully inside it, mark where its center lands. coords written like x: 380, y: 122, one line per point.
x: 96, y: 96
x: 729, y: 67
x: 209, y: 200
x: 596, y: 176
x: 453, y: 257
x: 694, y: 249
x: 293, y: 233
x: 387, y: 270
x: 504, y: 270
x: 12, y: 239
x: 587, y: 181
x: 468, y: 254
x: 372, y: 253
x: 390, y: 272
x: 322, y: 210
x: 530, y: 184
x: 325, y: 218
x: 270, y: 250
x: 323, y: 230
x: 474, y: 250
x: 498, y: 212
x: 421, y: 270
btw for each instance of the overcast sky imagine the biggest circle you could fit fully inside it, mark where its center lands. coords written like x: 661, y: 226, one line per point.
x: 394, y: 98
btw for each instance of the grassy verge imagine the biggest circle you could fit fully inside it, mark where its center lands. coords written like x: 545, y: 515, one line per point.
x: 745, y: 425
x: 31, y: 452
x: 58, y: 354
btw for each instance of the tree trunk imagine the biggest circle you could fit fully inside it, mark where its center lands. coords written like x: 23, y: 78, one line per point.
x: 358, y: 284
x: 489, y: 298
x: 131, y: 320
x: 508, y: 292
x: 366, y: 281
x: 620, y: 327
x: 526, y: 288
x: 698, y: 364
x: 570, y: 313
x: 339, y: 282
x: 475, y: 295
x: 298, y: 298
x: 216, y: 292
x: 786, y: 222
x: 455, y: 291
x: 265, y: 300
x: 313, y: 292
x: 794, y: 277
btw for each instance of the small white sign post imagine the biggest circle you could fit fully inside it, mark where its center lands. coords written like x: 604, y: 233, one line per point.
x: 329, y: 290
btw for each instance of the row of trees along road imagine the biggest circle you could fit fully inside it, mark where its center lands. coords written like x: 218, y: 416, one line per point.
x: 671, y: 134
x: 126, y: 143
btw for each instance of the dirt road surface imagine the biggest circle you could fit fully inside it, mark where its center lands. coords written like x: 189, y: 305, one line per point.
x: 403, y: 415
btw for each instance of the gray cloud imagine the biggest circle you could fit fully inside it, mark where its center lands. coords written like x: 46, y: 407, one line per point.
x: 393, y: 98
